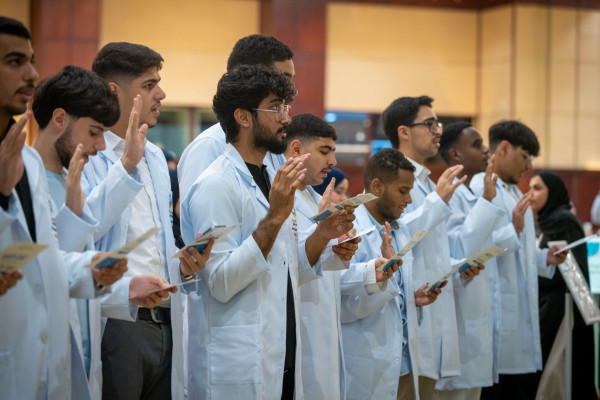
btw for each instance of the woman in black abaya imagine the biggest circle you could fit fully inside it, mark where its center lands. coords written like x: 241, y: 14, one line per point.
x: 551, y: 203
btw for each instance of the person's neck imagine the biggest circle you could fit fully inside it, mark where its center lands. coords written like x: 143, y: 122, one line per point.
x: 250, y: 153
x: 120, y: 128
x: 370, y: 206
x: 412, y: 154
x: 45, y: 147
x: 468, y: 174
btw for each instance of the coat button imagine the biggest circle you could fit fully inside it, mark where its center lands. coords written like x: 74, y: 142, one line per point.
x: 44, y: 337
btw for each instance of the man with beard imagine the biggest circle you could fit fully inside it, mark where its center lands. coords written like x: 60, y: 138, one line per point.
x: 514, y: 145
x: 149, y: 349
x: 250, y: 50
x: 470, y: 231
x: 413, y: 128
x: 379, y: 322
x: 243, y: 326
x: 73, y: 109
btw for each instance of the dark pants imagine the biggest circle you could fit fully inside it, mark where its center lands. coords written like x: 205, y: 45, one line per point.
x: 136, y: 360
x: 513, y: 387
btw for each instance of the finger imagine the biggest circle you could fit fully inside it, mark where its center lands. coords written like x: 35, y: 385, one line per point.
x: 326, y: 199
x: 15, y: 133
x: 441, y: 286
x: 134, y: 117
x: 459, y: 182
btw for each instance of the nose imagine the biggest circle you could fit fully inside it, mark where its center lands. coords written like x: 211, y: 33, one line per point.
x: 30, y: 73
x: 333, y: 162
x: 408, y: 199
x: 101, y: 144
x: 286, y: 119
x: 486, y: 151
x: 160, y: 94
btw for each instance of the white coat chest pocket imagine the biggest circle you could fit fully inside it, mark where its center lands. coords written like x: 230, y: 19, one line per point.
x: 234, y: 354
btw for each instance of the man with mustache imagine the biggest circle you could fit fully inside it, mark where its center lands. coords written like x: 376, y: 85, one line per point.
x: 413, y: 128
x: 514, y: 145
x: 150, y: 348
x: 250, y: 50
x: 470, y: 231
x: 245, y: 320
x: 73, y: 109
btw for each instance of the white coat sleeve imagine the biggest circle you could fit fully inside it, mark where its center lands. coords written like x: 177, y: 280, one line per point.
x: 111, y: 196
x: 9, y: 216
x: 81, y: 283
x: 544, y: 270
x: 74, y: 232
x: 116, y: 304
x: 236, y: 261
x: 358, y: 307
x: 428, y: 215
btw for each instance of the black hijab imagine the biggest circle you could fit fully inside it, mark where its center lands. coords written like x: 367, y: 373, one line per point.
x: 556, y: 210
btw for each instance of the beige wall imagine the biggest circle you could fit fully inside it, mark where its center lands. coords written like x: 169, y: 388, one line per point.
x: 17, y: 9
x: 194, y: 37
x: 377, y: 53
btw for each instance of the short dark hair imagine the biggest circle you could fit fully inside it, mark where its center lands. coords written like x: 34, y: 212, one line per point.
x: 258, y: 50
x: 450, y: 137
x: 308, y: 126
x: 402, y: 111
x: 517, y: 134
x: 245, y: 87
x: 118, y: 60
x: 384, y: 165
x: 13, y: 27
x: 80, y: 93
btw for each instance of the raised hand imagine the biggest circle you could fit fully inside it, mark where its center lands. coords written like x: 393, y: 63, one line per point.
x: 135, y: 138
x: 558, y: 259
x: 141, y: 286
x: 386, y: 241
x: 445, y: 187
x: 325, y: 202
x: 287, y: 179
x: 518, y: 214
x: 489, y: 180
x: 109, y: 275
x: 11, y: 160
x: 74, y: 198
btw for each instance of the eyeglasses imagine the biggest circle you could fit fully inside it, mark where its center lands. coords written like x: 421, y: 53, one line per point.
x: 282, y: 111
x: 431, y: 124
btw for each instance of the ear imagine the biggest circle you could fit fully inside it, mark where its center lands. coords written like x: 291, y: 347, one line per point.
x: 377, y: 187
x: 503, y: 149
x: 243, y: 117
x: 403, y: 133
x: 455, y: 155
x: 295, y: 148
x: 115, y: 88
x: 59, y: 120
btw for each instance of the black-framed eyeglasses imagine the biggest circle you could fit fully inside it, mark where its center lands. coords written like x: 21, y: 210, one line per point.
x: 431, y: 124
x: 282, y: 111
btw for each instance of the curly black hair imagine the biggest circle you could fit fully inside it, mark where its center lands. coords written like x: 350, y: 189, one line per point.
x: 258, y: 50
x: 384, y: 165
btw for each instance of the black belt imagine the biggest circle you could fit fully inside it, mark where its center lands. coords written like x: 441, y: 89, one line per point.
x: 158, y: 315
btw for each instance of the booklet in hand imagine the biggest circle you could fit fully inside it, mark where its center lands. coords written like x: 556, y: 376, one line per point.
x: 477, y: 259
x: 218, y: 232
x: 17, y: 255
x: 178, y: 285
x: 115, y: 256
x: 407, y: 247
x: 576, y: 243
x: 354, y: 202
x: 359, y: 234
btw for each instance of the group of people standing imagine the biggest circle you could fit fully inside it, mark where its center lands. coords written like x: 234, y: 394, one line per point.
x: 281, y: 307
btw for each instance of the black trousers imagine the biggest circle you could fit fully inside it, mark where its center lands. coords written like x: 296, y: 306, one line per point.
x: 136, y: 360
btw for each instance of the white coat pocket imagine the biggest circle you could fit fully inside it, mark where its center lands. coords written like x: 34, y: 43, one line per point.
x: 234, y: 354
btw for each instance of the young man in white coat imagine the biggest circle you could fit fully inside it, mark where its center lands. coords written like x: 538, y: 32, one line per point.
x: 379, y: 322
x: 320, y: 332
x: 35, y: 334
x: 471, y: 229
x: 250, y: 50
x: 513, y: 145
x: 413, y: 128
x: 150, y: 348
x: 73, y: 109
x: 244, y: 324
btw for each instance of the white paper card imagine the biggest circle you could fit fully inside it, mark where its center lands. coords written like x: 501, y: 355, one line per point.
x: 17, y: 255
x: 480, y: 258
x: 117, y: 255
x: 359, y: 234
x: 574, y: 244
x: 405, y: 249
x: 218, y: 232
x: 354, y: 201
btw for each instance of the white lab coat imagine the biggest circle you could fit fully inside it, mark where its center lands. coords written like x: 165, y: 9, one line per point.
x: 104, y: 181
x: 471, y: 229
x: 321, y: 333
x: 438, y: 333
x: 75, y: 235
x: 198, y: 155
x: 372, y: 323
x: 236, y: 323
x: 520, y: 348
x: 35, y: 356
